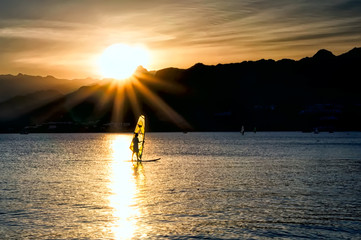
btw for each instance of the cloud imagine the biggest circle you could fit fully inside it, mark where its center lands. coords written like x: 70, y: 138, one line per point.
x: 179, y: 33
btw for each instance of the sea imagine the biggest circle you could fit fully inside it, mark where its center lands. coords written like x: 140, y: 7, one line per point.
x: 214, y: 185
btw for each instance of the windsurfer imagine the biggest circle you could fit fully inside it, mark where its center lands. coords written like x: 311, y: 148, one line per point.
x: 135, y: 146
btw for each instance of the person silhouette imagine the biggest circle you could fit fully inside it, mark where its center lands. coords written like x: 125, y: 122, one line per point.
x: 135, y: 146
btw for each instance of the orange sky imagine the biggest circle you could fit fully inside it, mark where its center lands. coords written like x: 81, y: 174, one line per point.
x: 64, y: 38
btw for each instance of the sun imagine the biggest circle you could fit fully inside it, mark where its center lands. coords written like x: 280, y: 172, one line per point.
x: 119, y: 61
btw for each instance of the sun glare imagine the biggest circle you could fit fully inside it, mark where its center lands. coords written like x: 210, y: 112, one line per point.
x: 119, y: 61
x: 123, y: 188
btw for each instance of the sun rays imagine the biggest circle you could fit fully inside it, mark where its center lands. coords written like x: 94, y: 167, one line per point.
x: 159, y: 105
x: 118, y: 102
x: 135, y: 93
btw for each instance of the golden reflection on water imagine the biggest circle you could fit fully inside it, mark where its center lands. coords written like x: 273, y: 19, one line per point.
x: 123, y: 184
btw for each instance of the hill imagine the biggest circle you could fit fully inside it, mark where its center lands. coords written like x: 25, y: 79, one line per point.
x: 22, y: 84
x: 319, y: 91
x: 20, y: 105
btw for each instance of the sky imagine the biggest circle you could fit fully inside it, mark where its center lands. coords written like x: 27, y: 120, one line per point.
x: 64, y: 38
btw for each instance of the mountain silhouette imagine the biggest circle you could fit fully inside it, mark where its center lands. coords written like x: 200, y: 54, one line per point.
x: 319, y: 91
x: 323, y: 55
x: 22, y: 84
x: 20, y: 105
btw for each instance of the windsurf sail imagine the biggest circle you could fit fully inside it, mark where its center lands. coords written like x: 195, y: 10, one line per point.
x: 140, y: 129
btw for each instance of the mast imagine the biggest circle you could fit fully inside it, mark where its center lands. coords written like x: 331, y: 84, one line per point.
x: 140, y: 157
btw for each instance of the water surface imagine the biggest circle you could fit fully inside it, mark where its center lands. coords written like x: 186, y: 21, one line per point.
x: 206, y: 185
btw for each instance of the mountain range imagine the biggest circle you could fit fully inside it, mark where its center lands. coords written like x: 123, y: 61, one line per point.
x: 22, y: 84
x: 315, y: 92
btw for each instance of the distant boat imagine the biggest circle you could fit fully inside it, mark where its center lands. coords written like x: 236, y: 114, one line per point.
x: 315, y: 130
x: 24, y: 131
